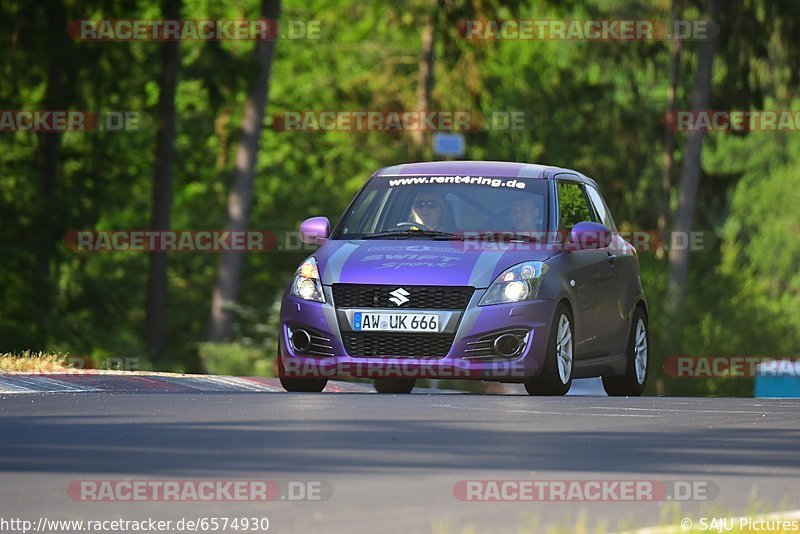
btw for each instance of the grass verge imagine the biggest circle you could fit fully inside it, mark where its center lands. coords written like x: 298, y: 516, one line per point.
x: 33, y: 362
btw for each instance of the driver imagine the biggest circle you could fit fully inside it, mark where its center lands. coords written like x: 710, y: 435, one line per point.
x: 430, y: 210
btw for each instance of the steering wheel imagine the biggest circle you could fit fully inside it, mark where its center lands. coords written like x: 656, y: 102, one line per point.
x: 408, y: 225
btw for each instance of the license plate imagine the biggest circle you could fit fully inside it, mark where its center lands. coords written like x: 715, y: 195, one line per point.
x: 395, y: 322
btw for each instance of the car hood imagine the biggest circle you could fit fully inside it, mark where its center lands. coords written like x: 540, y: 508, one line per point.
x: 420, y: 262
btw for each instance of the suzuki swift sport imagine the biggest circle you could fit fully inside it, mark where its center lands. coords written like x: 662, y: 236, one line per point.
x: 496, y: 271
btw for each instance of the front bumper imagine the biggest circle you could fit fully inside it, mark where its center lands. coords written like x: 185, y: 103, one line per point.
x: 475, y: 322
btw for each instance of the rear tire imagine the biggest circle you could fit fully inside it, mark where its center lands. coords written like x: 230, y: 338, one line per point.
x: 632, y: 383
x: 556, y: 377
x: 394, y: 385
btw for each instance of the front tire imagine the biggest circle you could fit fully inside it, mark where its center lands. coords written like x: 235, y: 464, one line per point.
x: 632, y: 383
x: 304, y: 385
x: 394, y: 385
x: 298, y: 385
x: 556, y: 377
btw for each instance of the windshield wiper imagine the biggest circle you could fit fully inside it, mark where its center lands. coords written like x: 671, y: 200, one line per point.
x: 524, y: 237
x: 398, y: 234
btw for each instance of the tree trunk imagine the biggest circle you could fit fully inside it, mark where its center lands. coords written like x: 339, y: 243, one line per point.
x: 157, y: 282
x: 668, y: 152
x: 691, y: 170
x: 425, y: 76
x: 49, y: 143
x: 241, y: 195
x: 48, y: 227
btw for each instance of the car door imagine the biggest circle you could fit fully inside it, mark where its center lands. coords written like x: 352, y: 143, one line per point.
x: 626, y: 277
x: 589, y: 269
x: 614, y: 308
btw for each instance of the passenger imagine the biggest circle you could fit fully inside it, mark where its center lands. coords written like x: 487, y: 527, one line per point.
x: 525, y: 214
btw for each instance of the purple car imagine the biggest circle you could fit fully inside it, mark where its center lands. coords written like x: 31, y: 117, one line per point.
x: 508, y: 272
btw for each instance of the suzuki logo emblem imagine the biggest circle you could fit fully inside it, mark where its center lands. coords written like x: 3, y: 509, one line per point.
x: 399, y: 296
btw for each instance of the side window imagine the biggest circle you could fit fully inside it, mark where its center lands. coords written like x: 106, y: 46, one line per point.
x: 365, y: 214
x: 572, y: 205
x: 600, y: 207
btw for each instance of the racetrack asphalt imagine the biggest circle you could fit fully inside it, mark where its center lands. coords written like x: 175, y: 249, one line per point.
x: 393, y: 463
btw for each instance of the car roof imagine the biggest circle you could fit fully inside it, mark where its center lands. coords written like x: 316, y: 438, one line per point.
x: 496, y: 169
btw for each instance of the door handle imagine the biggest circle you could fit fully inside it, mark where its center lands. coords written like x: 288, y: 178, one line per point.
x: 611, y: 258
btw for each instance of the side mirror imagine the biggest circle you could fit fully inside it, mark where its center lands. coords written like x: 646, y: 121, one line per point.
x: 589, y: 235
x: 315, y: 230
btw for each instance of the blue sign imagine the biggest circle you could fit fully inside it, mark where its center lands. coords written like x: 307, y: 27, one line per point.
x: 778, y: 379
x: 448, y: 144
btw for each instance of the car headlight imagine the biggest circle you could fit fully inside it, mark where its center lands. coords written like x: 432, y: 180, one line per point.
x: 307, y: 284
x: 520, y: 282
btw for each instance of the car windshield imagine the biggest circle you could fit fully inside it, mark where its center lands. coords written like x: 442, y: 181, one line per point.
x: 388, y: 208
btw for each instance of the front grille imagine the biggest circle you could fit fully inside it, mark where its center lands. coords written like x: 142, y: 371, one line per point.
x: 419, y: 297
x: 399, y: 345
